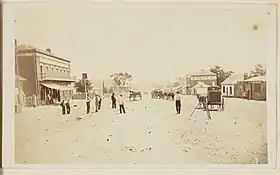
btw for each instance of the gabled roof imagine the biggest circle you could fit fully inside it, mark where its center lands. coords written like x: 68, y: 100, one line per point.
x: 200, y: 84
x: 202, y: 73
x: 258, y: 79
x: 233, y: 79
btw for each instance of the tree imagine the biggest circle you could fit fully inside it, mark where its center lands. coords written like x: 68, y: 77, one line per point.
x: 258, y: 70
x: 121, y: 79
x: 220, y: 73
x: 80, y: 85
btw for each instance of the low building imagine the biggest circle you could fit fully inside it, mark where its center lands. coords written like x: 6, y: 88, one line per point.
x: 229, y: 86
x: 46, y: 75
x: 199, y: 87
x: 256, y: 87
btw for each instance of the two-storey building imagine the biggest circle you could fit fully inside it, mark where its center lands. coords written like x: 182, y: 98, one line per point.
x: 203, y: 76
x: 48, y: 77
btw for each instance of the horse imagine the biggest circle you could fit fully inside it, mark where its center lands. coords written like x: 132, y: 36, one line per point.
x: 157, y: 94
x: 133, y: 94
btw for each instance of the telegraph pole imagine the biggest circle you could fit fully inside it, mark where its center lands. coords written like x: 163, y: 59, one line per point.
x: 84, y: 77
x: 103, y: 87
x: 17, y: 77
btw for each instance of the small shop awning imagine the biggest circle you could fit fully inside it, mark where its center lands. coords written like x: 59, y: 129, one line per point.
x: 56, y: 86
x: 51, y: 85
x: 65, y: 88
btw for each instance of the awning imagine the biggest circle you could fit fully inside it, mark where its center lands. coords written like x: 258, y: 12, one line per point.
x: 65, y: 88
x: 51, y: 85
x: 56, y: 86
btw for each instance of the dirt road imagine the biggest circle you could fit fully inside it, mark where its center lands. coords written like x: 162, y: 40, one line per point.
x: 150, y: 132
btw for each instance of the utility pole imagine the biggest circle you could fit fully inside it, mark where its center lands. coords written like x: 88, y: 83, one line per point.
x: 17, y: 77
x: 85, y: 88
x: 103, y: 87
x: 84, y: 77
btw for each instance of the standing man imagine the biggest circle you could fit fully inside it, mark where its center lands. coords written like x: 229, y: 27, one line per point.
x: 121, y: 102
x: 97, y: 101
x: 178, y: 103
x: 100, y: 101
x: 88, y: 104
x: 49, y: 98
x: 113, y: 98
x: 62, y: 104
x: 248, y: 94
x: 68, y: 106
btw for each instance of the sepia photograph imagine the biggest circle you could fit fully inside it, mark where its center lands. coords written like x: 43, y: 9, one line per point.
x: 143, y: 83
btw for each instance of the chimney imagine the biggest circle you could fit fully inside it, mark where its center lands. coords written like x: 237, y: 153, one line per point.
x: 48, y: 50
x: 246, y: 76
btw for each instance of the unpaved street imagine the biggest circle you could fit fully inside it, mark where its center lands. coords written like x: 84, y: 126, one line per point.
x: 150, y: 132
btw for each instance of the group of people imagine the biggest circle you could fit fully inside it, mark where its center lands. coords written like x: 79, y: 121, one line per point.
x: 98, y: 100
x: 65, y: 107
x: 121, y: 103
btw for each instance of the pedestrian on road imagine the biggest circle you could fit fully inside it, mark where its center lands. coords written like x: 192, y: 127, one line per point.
x: 113, y: 98
x: 49, y: 99
x: 100, y: 101
x: 178, y: 103
x: 121, y: 102
x: 62, y: 104
x: 96, y: 103
x: 88, y: 104
x: 248, y: 94
x: 68, y: 106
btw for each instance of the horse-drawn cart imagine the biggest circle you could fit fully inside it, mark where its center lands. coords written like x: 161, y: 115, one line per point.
x: 212, y: 99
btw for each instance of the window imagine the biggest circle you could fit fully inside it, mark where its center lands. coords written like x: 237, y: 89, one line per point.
x: 230, y: 90
x: 52, y: 69
x: 224, y: 89
x: 47, y: 69
x: 41, y: 71
x: 56, y: 69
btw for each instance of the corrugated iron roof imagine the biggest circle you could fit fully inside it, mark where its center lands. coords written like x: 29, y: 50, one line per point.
x: 233, y: 79
x: 202, y: 73
x: 259, y: 79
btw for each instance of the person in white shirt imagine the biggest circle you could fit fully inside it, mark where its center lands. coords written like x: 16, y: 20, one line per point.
x: 121, y: 103
x: 178, y: 103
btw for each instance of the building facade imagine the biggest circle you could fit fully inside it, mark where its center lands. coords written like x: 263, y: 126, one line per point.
x: 230, y: 87
x: 204, y: 76
x: 48, y: 77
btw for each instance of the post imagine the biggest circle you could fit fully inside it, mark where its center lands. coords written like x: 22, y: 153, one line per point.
x: 103, y: 88
x: 17, y: 77
x: 85, y: 88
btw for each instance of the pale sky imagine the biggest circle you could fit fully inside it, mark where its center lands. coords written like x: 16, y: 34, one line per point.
x: 152, y: 42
